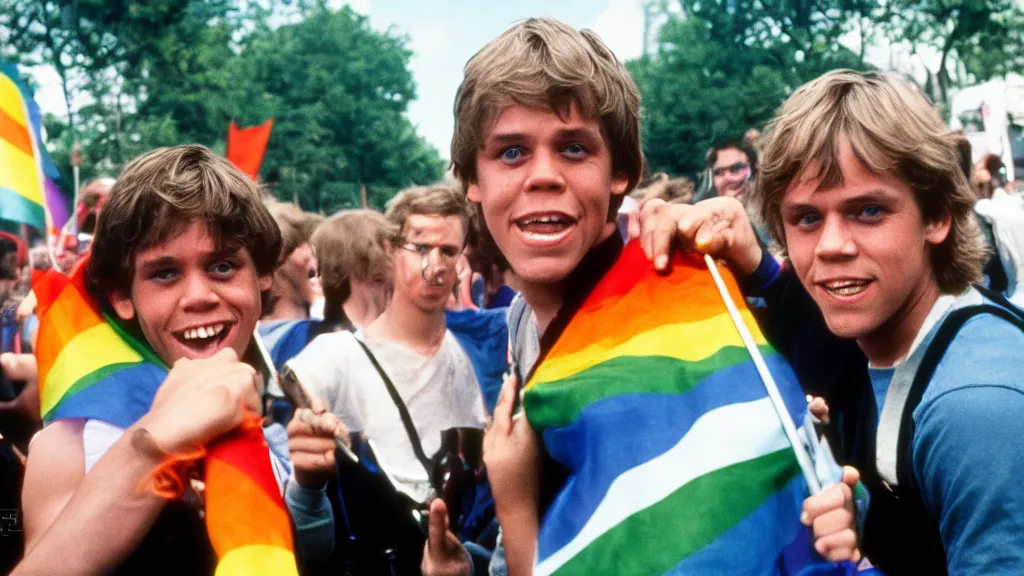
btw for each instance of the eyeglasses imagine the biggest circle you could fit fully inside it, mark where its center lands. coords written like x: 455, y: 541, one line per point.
x: 734, y: 169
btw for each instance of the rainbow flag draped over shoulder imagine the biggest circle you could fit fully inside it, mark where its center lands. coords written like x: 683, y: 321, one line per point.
x: 24, y: 164
x: 89, y: 367
x: 677, y: 460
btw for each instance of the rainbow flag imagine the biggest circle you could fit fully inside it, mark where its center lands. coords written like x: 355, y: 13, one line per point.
x: 89, y: 367
x: 677, y: 460
x: 24, y: 164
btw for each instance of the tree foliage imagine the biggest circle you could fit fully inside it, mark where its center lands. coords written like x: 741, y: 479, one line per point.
x: 140, y: 75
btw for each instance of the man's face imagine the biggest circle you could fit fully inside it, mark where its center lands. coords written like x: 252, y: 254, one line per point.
x: 424, y: 262
x: 545, y: 185
x: 297, y: 276
x: 731, y: 172
x: 861, y: 249
x: 192, y: 300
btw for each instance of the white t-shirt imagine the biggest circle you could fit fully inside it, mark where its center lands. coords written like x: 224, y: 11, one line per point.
x: 440, y: 392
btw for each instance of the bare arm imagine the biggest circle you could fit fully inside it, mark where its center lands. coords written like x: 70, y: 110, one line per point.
x: 101, y: 515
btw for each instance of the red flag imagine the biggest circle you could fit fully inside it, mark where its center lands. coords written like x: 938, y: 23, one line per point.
x: 247, y: 145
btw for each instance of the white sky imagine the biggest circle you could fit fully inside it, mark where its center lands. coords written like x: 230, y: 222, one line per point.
x: 443, y: 35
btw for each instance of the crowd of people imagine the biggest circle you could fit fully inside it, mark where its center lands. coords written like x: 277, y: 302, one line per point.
x: 387, y: 353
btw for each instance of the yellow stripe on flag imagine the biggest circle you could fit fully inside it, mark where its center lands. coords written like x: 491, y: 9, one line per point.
x: 11, y: 100
x: 95, y: 348
x: 688, y: 341
x: 20, y: 173
x: 257, y: 560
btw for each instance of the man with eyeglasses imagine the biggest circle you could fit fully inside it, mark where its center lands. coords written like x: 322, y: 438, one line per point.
x: 733, y: 165
x: 430, y: 372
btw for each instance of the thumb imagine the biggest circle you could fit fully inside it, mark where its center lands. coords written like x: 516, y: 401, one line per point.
x: 850, y: 476
x: 437, y: 527
x: 633, y: 225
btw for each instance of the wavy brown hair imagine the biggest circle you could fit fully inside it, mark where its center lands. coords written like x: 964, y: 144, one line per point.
x: 892, y: 129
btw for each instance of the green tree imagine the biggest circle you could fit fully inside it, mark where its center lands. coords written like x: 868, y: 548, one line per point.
x: 726, y: 65
x: 338, y: 92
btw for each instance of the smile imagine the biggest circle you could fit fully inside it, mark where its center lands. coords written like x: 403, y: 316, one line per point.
x: 545, y: 228
x: 204, y: 340
x: 845, y: 288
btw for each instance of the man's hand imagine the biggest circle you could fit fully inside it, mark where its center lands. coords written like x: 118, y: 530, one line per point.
x: 832, y: 516
x: 718, y: 227
x: 312, y: 439
x: 443, y: 554
x: 201, y: 400
x: 512, y: 456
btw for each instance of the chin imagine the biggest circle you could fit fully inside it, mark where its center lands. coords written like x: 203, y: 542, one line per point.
x: 850, y: 326
x: 546, y: 270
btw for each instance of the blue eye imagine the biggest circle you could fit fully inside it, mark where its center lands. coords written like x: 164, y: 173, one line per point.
x: 223, y: 268
x: 808, y: 220
x: 575, y: 150
x: 871, y: 211
x: 511, y: 154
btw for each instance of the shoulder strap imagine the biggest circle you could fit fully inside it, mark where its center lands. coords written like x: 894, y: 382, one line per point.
x: 410, y: 428
x: 894, y: 444
x: 518, y: 313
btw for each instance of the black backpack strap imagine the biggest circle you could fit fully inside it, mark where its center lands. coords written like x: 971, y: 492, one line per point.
x: 410, y: 428
x: 923, y: 375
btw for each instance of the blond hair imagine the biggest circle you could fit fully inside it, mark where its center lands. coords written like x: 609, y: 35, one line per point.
x: 349, y: 244
x: 433, y: 200
x: 891, y: 129
x: 160, y: 194
x: 543, y: 63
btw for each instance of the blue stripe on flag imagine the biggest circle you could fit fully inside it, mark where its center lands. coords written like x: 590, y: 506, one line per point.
x: 119, y: 399
x: 666, y: 418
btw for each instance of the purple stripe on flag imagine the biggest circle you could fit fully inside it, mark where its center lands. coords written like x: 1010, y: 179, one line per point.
x: 57, y: 204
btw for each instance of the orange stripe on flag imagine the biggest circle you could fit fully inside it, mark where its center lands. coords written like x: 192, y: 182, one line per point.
x: 15, y: 134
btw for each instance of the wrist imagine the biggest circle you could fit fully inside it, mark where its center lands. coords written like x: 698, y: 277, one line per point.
x: 745, y: 260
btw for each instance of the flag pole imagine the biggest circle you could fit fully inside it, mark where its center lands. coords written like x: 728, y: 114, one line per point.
x: 802, y: 456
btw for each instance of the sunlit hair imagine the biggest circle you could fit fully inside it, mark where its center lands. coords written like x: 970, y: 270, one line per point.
x: 296, y: 226
x: 891, y: 129
x: 160, y: 194
x: 543, y: 63
x: 434, y: 200
x: 350, y: 244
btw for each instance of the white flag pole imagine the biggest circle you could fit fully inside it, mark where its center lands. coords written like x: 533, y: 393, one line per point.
x: 802, y: 456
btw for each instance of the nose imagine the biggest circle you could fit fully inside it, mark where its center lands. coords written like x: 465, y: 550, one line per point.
x: 545, y: 173
x: 836, y: 242
x: 198, y: 293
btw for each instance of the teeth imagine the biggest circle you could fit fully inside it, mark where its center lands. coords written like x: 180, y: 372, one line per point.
x: 203, y: 332
x: 848, y: 290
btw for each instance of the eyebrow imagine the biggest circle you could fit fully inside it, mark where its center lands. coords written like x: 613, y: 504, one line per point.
x: 874, y: 196
x: 157, y: 264
x: 563, y: 134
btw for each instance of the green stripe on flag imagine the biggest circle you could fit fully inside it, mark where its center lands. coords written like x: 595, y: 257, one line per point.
x: 86, y: 381
x: 662, y: 535
x: 16, y: 208
x: 559, y: 403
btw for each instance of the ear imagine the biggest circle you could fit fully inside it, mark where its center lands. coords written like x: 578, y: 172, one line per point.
x: 936, y: 231
x: 265, y: 282
x: 473, y: 192
x: 619, y: 184
x: 121, y: 301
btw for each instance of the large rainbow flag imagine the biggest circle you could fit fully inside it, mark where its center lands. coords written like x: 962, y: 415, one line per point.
x: 677, y: 459
x: 89, y: 367
x: 24, y: 164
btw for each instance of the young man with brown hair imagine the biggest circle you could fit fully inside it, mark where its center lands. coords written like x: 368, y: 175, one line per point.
x: 409, y: 341
x: 182, y: 251
x: 862, y: 185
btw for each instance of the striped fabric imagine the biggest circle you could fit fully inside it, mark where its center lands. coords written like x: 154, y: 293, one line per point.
x: 21, y: 164
x: 677, y: 460
x: 90, y: 368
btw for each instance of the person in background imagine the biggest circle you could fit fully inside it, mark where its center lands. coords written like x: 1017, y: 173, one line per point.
x: 294, y: 280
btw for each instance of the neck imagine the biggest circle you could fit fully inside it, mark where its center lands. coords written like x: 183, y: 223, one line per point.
x: 288, y: 309
x: 404, y: 322
x: 545, y: 300
x: 890, y: 343
x: 361, y: 309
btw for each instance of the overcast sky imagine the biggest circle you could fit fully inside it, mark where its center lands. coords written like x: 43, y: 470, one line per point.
x: 443, y: 35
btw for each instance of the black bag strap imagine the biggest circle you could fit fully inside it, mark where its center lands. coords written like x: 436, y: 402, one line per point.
x: 936, y: 350
x: 410, y: 428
